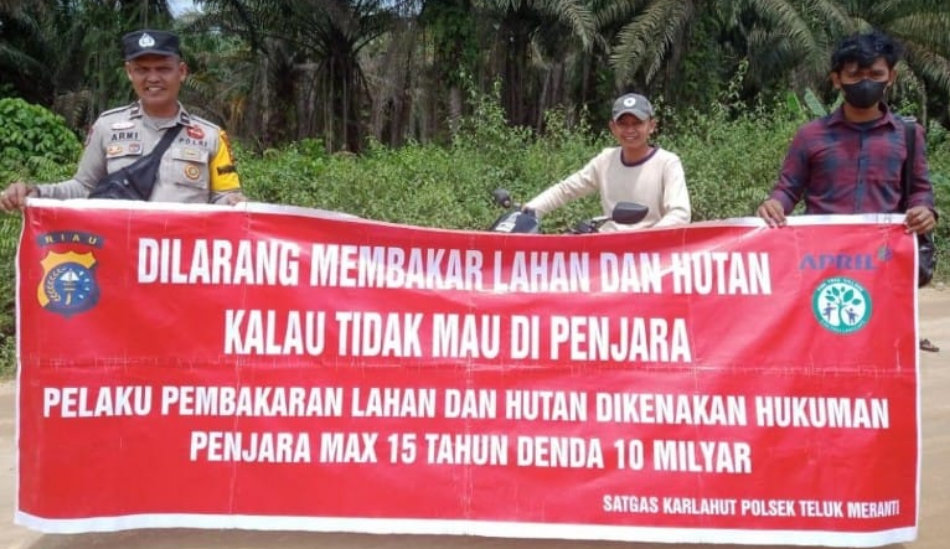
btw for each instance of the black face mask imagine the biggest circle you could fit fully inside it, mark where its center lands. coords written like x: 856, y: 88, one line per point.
x: 864, y: 94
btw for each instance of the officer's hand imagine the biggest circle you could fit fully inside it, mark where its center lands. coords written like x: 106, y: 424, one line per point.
x: 14, y: 197
x: 235, y: 198
x: 772, y: 212
x: 919, y: 219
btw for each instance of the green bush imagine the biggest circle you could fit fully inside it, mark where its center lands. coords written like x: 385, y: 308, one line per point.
x: 731, y: 164
x: 34, y: 144
x: 33, y: 141
x: 9, y: 234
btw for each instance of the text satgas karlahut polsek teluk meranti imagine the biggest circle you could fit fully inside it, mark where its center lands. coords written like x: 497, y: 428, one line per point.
x: 704, y: 506
x: 275, y: 262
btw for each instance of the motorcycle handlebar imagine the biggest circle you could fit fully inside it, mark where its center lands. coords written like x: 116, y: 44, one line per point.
x: 624, y: 213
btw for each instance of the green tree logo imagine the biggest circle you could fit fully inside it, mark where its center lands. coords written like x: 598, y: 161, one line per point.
x: 841, y: 305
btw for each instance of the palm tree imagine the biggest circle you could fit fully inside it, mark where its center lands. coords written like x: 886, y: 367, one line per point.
x: 45, y: 42
x: 772, y: 36
x: 311, y: 53
x: 451, y: 26
x: 527, y: 35
x: 921, y: 25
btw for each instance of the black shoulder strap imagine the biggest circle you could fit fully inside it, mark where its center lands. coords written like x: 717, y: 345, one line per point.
x: 143, y: 172
x: 907, y: 170
x: 166, y: 141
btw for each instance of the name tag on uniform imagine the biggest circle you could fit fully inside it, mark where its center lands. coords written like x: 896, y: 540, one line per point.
x: 191, y: 153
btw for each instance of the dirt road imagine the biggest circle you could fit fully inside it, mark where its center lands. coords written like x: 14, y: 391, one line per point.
x: 934, y: 513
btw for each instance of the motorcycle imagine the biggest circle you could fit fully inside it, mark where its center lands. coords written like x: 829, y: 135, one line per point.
x: 517, y: 220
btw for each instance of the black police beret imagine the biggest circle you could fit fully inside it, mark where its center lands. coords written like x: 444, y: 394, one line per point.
x: 150, y: 42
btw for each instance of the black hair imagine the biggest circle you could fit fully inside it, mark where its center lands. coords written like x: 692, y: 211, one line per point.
x: 865, y: 49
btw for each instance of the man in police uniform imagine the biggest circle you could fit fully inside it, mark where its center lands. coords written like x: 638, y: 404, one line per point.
x: 197, y: 167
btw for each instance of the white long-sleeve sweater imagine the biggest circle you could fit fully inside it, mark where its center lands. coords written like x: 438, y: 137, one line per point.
x: 657, y: 181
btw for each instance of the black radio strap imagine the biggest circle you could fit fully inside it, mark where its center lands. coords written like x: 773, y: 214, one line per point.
x: 910, y: 141
x: 926, y: 248
x: 166, y: 140
x: 136, y: 181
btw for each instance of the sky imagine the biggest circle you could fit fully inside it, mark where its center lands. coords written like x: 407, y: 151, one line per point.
x: 180, y: 6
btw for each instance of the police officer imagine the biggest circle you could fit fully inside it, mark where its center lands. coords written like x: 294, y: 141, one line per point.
x: 196, y: 168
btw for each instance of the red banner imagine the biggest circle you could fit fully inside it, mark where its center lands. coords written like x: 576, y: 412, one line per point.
x: 275, y: 368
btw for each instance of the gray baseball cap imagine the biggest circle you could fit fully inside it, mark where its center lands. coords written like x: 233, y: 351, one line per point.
x: 632, y: 103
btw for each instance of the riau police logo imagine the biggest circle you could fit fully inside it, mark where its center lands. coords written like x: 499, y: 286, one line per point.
x: 841, y: 305
x: 68, y: 285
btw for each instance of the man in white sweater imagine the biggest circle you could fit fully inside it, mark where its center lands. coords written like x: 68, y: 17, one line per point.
x: 633, y: 172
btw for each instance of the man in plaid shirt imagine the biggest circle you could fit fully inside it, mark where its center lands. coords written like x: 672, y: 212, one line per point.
x: 850, y: 161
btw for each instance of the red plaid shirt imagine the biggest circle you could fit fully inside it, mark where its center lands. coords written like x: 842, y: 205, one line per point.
x: 839, y: 167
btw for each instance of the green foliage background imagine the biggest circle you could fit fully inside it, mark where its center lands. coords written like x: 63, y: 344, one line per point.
x: 730, y: 160
x: 34, y: 143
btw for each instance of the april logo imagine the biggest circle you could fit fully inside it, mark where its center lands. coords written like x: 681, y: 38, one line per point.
x: 68, y: 285
x: 841, y: 305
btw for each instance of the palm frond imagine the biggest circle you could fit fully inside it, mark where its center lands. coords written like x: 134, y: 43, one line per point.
x: 643, y: 44
x: 930, y: 66
x: 782, y: 15
x: 575, y: 14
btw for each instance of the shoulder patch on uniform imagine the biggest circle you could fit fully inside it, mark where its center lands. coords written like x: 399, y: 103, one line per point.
x: 203, y: 121
x: 117, y: 110
x: 227, y: 143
